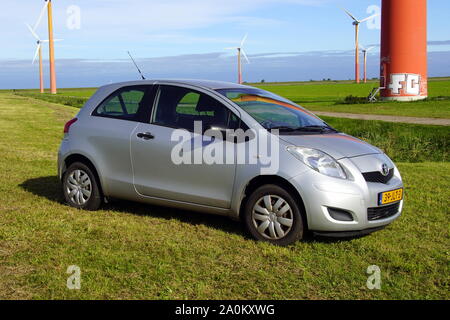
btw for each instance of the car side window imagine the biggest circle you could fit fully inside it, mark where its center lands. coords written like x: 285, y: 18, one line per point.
x: 179, y: 107
x: 126, y: 104
x: 187, y: 105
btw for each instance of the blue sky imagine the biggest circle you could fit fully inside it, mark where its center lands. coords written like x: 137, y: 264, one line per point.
x: 189, y: 36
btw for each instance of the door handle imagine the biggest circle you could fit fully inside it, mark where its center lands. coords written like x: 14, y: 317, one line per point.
x: 145, y: 135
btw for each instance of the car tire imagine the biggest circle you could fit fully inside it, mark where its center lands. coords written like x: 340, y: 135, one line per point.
x: 81, y: 187
x: 272, y: 214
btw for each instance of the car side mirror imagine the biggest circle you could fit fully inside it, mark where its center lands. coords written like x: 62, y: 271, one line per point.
x: 235, y: 136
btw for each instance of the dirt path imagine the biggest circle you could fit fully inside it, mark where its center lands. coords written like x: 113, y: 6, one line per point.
x: 416, y: 120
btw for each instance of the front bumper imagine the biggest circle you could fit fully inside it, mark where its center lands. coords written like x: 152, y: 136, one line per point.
x: 346, y: 234
x: 355, y: 196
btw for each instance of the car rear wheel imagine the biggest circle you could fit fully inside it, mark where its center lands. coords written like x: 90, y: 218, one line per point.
x: 272, y: 214
x: 80, y: 187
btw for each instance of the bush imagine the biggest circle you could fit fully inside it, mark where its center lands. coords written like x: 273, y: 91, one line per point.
x: 354, y: 100
x: 77, y: 102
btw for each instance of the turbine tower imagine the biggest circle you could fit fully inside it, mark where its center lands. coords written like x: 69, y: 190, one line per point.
x: 356, y: 23
x: 365, y: 51
x: 51, y: 47
x: 403, y: 52
x: 241, y: 53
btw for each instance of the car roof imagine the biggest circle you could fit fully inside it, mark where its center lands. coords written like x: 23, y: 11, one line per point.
x: 208, y: 84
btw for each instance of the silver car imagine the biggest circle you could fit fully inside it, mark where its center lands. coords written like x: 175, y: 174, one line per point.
x: 204, y: 146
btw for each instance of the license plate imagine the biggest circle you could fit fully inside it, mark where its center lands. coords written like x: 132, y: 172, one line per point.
x: 390, y: 196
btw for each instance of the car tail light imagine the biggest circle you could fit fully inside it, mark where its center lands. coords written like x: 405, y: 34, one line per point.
x: 68, y: 124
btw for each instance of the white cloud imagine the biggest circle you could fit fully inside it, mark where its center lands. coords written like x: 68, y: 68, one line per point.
x: 163, y: 16
x: 138, y: 23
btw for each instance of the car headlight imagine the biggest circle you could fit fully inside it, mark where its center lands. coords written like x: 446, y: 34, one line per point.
x: 319, y: 161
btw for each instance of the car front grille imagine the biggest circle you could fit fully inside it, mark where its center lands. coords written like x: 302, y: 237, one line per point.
x: 383, y: 212
x: 376, y: 176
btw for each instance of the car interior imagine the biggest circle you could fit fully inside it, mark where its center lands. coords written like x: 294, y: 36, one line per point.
x: 175, y: 111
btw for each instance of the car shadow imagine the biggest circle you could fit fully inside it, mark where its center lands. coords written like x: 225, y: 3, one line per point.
x: 50, y: 188
x: 47, y: 187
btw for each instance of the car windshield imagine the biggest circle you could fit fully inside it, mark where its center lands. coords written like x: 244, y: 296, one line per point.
x: 275, y: 112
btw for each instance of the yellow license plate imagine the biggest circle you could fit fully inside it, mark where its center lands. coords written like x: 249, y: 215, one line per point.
x: 390, y: 196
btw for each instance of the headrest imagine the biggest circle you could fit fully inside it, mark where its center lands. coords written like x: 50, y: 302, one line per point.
x: 206, y: 103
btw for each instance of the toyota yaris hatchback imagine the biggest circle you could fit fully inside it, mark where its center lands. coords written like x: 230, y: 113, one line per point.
x: 231, y: 150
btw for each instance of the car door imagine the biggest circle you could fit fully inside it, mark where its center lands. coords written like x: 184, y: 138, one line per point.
x: 155, y: 149
x: 108, y: 133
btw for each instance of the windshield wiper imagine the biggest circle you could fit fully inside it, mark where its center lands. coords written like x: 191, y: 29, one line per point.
x: 283, y: 128
x: 321, y: 128
x: 304, y: 129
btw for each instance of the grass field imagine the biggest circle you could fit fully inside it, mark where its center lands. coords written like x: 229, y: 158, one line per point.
x: 316, y: 96
x: 329, y: 97
x: 131, y: 251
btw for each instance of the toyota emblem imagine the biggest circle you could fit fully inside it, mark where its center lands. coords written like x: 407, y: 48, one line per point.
x: 384, y: 169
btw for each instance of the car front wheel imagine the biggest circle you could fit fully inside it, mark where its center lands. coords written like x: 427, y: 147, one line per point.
x: 272, y: 214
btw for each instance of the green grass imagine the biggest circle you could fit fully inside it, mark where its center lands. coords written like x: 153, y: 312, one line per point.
x: 72, y: 101
x: 70, y: 92
x: 132, y: 251
x: 402, y: 142
x: 315, y: 96
x: 73, y: 97
x: 330, y: 96
x: 425, y: 109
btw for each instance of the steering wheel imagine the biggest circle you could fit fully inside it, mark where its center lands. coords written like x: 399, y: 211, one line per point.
x: 266, y: 124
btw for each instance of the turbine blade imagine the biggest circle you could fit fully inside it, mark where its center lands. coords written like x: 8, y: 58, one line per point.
x: 350, y: 15
x: 245, y: 55
x: 36, y: 53
x: 32, y: 32
x: 371, y: 17
x: 243, y: 40
x: 368, y: 49
x: 231, y: 48
x: 38, y: 21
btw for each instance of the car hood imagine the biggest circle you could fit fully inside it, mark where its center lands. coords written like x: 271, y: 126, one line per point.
x: 337, y: 145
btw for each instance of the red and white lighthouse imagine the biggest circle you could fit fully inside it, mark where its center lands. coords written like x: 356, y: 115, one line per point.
x: 404, y: 50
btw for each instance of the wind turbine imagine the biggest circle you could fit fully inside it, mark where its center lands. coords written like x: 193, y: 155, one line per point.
x: 39, y: 45
x: 38, y: 52
x: 365, y: 51
x: 48, y: 7
x: 356, y: 23
x: 241, y: 53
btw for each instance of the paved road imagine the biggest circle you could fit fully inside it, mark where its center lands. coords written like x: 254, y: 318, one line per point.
x: 429, y: 121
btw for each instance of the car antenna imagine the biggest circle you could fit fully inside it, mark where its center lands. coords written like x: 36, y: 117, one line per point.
x: 143, y: 78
